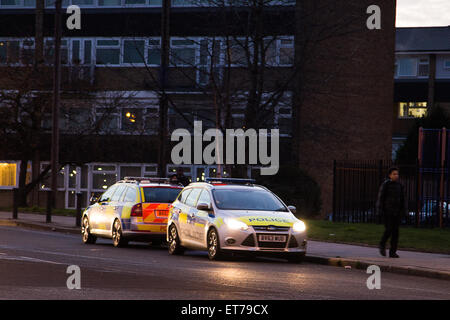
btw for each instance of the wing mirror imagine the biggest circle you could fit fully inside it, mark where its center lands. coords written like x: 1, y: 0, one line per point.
x: 293, y: 209
x: 204, y: 207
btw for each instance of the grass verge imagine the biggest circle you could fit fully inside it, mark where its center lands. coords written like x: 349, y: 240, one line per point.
x: 420, y: 239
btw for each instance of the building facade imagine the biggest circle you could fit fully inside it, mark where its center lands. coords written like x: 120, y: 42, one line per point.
x: 312, y: 69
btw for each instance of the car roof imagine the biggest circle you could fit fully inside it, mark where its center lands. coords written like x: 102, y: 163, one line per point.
x: 218, y: 186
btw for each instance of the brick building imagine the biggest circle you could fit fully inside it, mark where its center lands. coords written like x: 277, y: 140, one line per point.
x: 322, y: 66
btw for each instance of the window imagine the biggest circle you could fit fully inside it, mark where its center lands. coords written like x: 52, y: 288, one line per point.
x: 286, y: 51
x: 183, y: 52
x: 154, y: 52
x: 132, y: 120
x: 8, y: 174
x: 447, y: 64
x: 407, y: 67
x: 151, y: 120
x: 79, y: 119
x: 412, y: 109
x: 107, y: 118
x: 9, y: 51
x: 237, y: 52
x: 108, y: 52
x: 192, y: 198
x: 118, y: 193
x: 133, y: 51
x: 108, y: 3
x: 130, y: 171
x: 204, y: 197
x: 424, y: 67
x: 161, y: 195
x: 183, y: 196
x: 130, y: 195
x: 103, y: 177
x: 49, y: 52
x: 211, y: 62
x: 108, y: 194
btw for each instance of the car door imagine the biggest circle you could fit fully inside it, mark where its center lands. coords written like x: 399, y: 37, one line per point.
x: 114, y: 208
x: 191, y: 210
x: 180, y: 213
x: 200, y: 219
x: 96, y: 215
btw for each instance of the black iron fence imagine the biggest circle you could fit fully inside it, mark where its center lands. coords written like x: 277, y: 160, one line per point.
x: 356, y: 185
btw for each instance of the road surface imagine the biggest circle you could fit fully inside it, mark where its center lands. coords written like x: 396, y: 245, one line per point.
x: 33, y: 265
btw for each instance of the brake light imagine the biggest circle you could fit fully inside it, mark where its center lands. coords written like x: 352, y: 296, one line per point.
x: 136, y: 210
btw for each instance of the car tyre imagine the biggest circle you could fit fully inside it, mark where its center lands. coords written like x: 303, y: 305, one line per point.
x: 296, y: 257
x: 174, y: 243
x: 214, y: 251
x: 87, y: 237
x: 117, y: 236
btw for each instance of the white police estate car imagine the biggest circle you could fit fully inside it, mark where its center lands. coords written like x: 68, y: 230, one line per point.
x: 234, y: 215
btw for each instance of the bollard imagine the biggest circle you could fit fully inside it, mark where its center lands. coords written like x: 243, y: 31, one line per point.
x: 78, y: 217
x: 15, y: 203
x: 48, y: 217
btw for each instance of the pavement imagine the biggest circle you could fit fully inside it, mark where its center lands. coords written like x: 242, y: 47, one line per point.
x: 341, y: 255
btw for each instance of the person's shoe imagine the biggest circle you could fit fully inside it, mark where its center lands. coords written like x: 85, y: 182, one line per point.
x: 382, y: 251
x: 393, y: 255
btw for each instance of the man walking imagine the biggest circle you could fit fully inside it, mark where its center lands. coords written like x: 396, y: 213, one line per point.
x: 391, y: 206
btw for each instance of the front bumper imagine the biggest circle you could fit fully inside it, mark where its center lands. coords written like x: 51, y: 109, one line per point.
x: 249, y: 241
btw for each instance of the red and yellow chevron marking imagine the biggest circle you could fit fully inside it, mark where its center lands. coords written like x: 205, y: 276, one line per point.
x: 155, y: 212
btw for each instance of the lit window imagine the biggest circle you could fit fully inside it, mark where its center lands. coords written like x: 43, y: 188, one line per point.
x: 8, y: 174
x: 131, y: 120
x: 412, y: 109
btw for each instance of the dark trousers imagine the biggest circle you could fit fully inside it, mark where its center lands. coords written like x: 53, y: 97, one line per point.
x: 392, y: 226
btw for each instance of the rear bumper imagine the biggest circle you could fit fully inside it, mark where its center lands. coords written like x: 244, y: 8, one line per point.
x: 144, y: 235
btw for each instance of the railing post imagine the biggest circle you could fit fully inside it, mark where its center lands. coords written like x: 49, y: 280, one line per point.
x: 78, y: 217
x: 333, y: 214
x: 15, y: 210
x: 441, y: 189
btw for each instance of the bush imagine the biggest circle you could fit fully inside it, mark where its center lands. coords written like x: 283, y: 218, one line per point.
x: 295, y: 188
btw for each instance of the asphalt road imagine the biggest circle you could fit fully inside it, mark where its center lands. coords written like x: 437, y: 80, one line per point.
x: 33, y: 265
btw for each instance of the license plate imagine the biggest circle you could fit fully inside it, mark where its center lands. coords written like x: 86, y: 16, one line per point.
x: 271, y: 238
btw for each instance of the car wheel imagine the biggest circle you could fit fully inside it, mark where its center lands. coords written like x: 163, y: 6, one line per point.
x: 214, y: 251
x: 296, y: 257
x: 117, y: 235
x: 175, y: 247
x: 87, y: 237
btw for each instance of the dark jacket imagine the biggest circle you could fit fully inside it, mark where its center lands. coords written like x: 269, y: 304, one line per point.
x: 391, y: 200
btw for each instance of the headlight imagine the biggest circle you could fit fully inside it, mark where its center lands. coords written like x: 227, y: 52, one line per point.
x: 299, y: 226
x: 236, y: 224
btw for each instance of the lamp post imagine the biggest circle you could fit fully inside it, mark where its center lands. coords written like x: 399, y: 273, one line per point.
x: 55, y: 110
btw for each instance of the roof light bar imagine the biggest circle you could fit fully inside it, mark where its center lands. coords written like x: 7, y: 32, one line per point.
x: 230, y: 181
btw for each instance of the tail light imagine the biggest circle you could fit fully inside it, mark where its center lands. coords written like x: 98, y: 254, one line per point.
x: 136, y: 210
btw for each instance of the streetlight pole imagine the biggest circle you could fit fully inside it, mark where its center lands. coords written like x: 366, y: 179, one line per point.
x: 163, y: 103
x: 55, y: 110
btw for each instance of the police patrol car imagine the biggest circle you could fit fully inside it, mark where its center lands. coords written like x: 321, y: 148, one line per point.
x: 132, y: 209
x: 234, y: 215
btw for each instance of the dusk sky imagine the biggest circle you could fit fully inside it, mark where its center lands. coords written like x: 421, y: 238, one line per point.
x: 420, y: 13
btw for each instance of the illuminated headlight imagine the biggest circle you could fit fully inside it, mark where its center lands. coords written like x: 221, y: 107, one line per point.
x: 299, y: 226
x: 236, y: 224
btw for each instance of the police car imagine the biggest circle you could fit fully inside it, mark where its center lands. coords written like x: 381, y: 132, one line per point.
x: 234, y: 215
x: 132, y: 209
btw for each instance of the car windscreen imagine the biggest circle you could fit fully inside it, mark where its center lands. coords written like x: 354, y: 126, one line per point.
x: 247, y: 199
x: 161, y: 195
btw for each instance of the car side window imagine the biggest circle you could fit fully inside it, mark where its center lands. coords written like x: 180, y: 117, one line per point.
x: 106, y: 196
x: 184, y: 195
x: 130, y: 195
x: 192, y: 198
x: 118, y: 193
x: 204, y: 197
